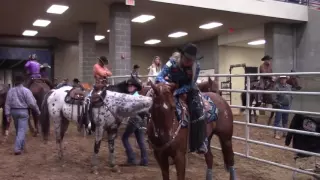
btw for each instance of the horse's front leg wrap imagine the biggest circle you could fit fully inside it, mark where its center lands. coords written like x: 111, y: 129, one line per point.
x: 209, y: 174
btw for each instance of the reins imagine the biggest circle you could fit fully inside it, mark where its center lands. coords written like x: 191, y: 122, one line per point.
x: 172, y: 138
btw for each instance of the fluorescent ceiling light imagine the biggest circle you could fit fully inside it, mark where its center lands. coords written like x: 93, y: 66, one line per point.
x: 177, y: 34
x: 210, y: 25
x: 108, y: 30
x: 29, y: 33
x: 57, y: 9
x: 142, y: 18
x: 152, y: 41
x: 258, y: 42
x: 41, y: 23
x: 98, y: 37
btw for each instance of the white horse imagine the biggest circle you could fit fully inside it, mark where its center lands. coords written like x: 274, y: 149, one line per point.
x: 116, y: 106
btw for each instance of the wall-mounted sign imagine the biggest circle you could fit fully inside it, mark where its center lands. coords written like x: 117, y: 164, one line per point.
x: 130, y: 2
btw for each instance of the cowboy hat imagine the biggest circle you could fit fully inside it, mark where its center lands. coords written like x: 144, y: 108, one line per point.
x: 135, y: 82
x: 283, y: 77
x: 136, y: 66
x: 266, y: 57
x: 103, y: 59
x: 45, y: 65
x: 190, y: 51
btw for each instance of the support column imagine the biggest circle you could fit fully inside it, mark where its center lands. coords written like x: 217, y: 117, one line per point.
x: 280, y: 46
x: 87, y: 51
x: 120, y: 39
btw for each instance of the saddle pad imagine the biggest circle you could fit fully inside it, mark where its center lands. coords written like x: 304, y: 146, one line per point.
x: 210, y: 108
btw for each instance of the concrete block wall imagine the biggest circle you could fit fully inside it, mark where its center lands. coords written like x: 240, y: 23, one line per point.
x: 87, y: 51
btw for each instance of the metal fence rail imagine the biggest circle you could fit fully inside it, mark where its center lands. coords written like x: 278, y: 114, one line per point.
x: 247, y: 124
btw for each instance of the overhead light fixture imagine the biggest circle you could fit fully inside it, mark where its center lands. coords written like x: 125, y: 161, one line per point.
x: 98, y: 37
x: 257, y: 42
x: 210, y: 25
x: 108, y: 30
x: 177, y: 34
x: 29, y: 33
x: 57, y: 9
x: 143, y: 18
x: 152, y: 41
x: 41, y: 23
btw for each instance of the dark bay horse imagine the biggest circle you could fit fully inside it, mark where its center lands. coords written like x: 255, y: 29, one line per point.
x: 4, y: 88
x: 39, y: 89
x: 168, y: 139
x: 266, y: 98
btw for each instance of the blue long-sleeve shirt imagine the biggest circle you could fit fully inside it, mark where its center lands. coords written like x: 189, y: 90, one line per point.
x: 178, y: 75
x: 20, y: 97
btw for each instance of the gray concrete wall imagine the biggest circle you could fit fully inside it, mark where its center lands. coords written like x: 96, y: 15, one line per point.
x: 308, y: 59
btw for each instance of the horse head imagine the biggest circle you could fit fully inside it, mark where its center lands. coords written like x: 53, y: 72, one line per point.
x: 163, y: 111
x: 209, y: 86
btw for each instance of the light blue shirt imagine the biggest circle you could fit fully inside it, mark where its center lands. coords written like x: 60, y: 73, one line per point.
x: 136, y: 93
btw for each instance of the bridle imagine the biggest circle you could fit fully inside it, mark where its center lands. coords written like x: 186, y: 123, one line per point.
x: 172, y: 134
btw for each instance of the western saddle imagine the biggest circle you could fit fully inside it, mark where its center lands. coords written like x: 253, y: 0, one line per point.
x: 75, y: 96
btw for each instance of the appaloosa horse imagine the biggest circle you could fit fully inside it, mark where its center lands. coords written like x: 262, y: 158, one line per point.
x: 168, y: 139
x: 39, y: 89
x: 266, y: 98
x: 108, y: 112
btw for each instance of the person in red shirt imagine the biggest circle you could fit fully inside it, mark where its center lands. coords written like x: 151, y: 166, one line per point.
x: 100, y: 71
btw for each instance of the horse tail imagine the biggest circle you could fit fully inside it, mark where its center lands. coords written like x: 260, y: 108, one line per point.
x: 44, y: 117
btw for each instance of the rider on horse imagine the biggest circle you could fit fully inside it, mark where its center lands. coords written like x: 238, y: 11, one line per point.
x: 100, y: 73
x: 265, y: 67
x: 33, y: 70
x: 184, y: 72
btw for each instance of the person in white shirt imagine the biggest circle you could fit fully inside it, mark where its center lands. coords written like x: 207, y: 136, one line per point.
x: 154, y: 69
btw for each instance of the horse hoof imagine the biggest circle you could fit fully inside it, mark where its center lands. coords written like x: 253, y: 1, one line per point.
x: 95, y: 172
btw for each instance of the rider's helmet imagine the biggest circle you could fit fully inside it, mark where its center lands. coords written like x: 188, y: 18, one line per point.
x: 33, y: 57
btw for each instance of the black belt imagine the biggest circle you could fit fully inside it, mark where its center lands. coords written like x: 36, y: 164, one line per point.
x: 20, y: 108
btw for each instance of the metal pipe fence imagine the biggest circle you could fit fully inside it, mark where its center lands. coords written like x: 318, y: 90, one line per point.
x: 247, y: 123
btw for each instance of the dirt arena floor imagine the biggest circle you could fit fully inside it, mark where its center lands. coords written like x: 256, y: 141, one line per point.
x: 40, y: 162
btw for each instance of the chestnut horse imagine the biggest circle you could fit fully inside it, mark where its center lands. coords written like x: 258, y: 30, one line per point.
x: 168, y: 139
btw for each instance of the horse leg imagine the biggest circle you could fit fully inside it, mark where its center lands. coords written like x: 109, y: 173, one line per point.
x: 228, y: 155
x: 180, y: 163
x: 209, y: 160
x: 64, y: 127
x: 30, y: 124
x: 97, y: 143
x: 112, y: 134
x: 270, y: 118
x: 163, y: 162
x: 36, y: 123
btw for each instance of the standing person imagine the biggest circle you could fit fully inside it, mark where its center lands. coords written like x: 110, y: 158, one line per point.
x: 282, y: 101
x: 19, y: 100
x: 154, y: 69
x: 135, y: 125
x: 135, y: 70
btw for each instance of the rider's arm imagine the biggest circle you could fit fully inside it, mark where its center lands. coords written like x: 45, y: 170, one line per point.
x: 164, y: 72
x: 186, y: 88
x: 108, y: 72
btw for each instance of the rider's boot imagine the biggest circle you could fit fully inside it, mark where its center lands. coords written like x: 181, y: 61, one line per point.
x: 204, y: 147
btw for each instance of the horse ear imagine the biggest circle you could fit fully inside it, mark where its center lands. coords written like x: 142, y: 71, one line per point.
x: 209, y: 79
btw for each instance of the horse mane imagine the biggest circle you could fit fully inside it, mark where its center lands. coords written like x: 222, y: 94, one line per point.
x: 119, y: 87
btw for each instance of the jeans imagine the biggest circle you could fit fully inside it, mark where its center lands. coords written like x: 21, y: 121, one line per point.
x: 283, y: 116
x: 20, y: 117
x: 139, y: 133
